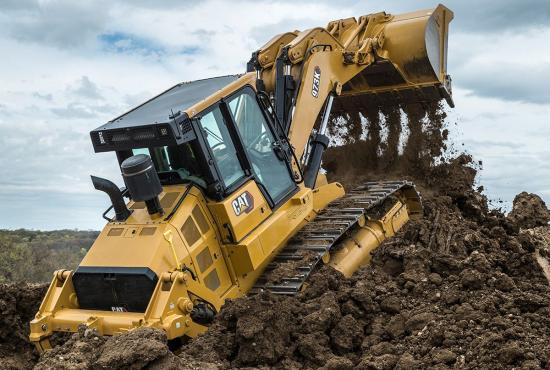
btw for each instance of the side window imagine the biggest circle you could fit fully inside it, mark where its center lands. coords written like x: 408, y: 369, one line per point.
x: 222, y: 147
x: 178, y: 160
x: 258, y: 142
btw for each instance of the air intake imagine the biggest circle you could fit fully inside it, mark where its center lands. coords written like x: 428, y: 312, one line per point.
x: 143, y: 182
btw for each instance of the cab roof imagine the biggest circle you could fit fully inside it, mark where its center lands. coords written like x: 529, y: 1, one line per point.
x: 164, y: 107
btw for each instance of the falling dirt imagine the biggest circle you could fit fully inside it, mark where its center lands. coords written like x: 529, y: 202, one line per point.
x: 461, y: 287
x: 414, y: 142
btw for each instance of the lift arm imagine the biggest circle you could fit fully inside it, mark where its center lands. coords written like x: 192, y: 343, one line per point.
x: 374, y: 60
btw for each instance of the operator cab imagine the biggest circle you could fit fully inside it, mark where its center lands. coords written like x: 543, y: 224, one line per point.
x: 232, y: 141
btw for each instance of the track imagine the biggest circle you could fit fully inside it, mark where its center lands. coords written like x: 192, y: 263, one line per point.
x: 323, y: 233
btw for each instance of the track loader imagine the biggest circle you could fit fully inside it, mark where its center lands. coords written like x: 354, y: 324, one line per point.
x: 224, y: 184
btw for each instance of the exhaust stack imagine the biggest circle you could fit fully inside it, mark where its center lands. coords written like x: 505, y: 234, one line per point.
x: 121, y: 211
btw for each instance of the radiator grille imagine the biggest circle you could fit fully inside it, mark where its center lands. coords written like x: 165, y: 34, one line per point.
x: 114, y: 288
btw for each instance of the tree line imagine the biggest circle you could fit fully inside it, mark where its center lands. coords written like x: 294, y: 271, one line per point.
x: 32, y: 256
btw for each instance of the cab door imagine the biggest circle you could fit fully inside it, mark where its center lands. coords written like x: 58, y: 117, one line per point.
x: 258, y: 140
x: 252, y: 178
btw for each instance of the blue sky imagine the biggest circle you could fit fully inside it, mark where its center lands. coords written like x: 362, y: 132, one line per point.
x: 68, y: 67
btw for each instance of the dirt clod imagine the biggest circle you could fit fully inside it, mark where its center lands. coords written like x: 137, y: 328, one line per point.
x: 529, y: 211
x: 137, y: 349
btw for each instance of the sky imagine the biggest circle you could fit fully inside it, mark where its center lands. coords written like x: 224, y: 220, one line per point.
x: 67, y: 67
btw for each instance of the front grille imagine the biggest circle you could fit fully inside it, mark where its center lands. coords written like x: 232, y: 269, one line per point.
x: 114, y: 288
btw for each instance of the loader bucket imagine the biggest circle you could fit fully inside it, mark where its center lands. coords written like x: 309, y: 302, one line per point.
x: 410, y: 63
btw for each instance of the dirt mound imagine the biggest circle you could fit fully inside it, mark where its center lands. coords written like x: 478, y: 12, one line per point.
x: 18, y: 305
x: 529, y: 211
x: 137, y: 349
x: 459, y: 287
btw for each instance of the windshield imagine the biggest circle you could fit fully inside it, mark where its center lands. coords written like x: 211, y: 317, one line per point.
x: 175, y: 164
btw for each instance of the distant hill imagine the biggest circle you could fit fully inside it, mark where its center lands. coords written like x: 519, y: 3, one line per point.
x: 32, y: 256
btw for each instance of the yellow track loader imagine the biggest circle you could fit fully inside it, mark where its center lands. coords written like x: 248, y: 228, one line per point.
x: 223, y: 183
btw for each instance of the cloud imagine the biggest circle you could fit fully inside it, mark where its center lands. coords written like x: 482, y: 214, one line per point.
x: 47, y: 97
x: 491, y: 144
x: 64, y: 24
x: 506, y: 137
x: 10, y: 5
x: 263, y: 33
x: 82, y: 111
x: 85, y: 88
x: 513, y: 83
x: 163, y: 4
x: 471, y: 16
x: 74, y: 110
x: 488, y: 16
x: 493, y: 16
x: 54, y: 210
x: 120, y: 42
x: 486, y: 65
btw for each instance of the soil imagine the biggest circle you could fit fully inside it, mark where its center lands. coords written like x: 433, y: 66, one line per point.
x: 137, y: 349
x: 463, y: 286
x: 289, y: 268
x: 18, y: 305
x: 459, y: 288
x: 529, y: 211
x: 408, y: 141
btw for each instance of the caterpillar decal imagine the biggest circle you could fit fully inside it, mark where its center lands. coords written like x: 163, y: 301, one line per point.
x: 243, y: 203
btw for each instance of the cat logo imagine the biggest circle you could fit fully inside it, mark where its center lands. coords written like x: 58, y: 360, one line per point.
x: 316, y: 82
x: 243, y: 203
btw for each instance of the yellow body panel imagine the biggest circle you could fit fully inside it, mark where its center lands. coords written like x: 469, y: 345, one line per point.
x: 326, y: 193
x: 274, y: 233
x: 238, y: 215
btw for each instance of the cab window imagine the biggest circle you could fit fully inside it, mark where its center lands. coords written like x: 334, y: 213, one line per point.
x: 175, y: 162
x: 258, y: 141
x: 222, y: 147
